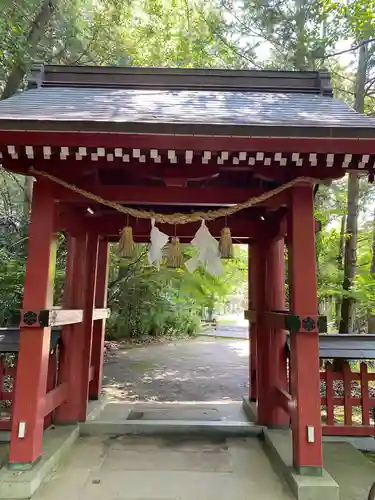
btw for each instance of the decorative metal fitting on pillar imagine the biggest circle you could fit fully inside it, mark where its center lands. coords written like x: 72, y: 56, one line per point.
x: 308, y: 324
x: 292, y: 323
x: 29, y: 318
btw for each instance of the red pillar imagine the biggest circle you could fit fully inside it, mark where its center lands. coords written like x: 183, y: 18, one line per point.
x: 90, y: 287
x: 305, y: 380
x: 275, y: 297
x: 260, y: 256
x: 32, y: 366
x: 252, y: 305
x: 72, y: 341
x: 97, y: 354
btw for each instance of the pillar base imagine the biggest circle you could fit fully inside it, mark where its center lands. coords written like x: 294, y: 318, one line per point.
x: 20, y: 467
x: 278, y: 446
x: 20, y: 481
x: 309, y: 471
x: 250, y: 408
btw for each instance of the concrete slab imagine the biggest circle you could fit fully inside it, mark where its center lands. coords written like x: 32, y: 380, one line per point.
x: 278, y: 444
x: 176, y: 413
x: 57, y: 442
x: 350, y: 468
x: 167, y: 469
x: 250, y: 409
x: 361, y: 443
x: 169, y: 427
x: 222, y: 410
x: 226, y: 419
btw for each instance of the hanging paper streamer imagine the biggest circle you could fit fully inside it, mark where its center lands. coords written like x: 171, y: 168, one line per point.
x: 208, y: 253
x: 158, y: 241
x: 174, y: 256
x: 226, y: 245
x: 126, y: 243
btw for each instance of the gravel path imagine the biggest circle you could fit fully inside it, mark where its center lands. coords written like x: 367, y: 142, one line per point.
x: 201, y: 369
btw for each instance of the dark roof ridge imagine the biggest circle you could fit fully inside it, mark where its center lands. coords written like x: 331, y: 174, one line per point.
x: 312, y: 82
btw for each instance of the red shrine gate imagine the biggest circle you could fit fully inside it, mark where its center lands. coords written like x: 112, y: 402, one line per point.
x: 165, y: 139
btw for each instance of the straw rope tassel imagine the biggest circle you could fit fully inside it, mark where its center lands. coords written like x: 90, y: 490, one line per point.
x: 174, y: 256
x: 126, y: 244
x: 226, y: 244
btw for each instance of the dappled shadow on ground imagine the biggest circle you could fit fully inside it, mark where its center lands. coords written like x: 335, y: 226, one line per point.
x: 188, y: 370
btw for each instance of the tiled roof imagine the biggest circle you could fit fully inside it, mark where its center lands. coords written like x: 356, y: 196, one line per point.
x: 77, y: 105
x: 166, y: 106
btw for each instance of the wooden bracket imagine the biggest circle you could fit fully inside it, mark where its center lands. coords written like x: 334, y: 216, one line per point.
x: 50, y: 317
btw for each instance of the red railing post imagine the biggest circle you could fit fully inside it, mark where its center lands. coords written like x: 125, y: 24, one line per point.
x: 365, y: 399
x: 329, y: 373
x: 1, y: 377
x: 347, y: 382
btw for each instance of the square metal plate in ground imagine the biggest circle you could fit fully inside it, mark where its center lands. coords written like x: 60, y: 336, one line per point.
x: 190, y: 414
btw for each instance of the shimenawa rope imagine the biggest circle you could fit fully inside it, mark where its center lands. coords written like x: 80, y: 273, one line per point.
x: 177, y: 218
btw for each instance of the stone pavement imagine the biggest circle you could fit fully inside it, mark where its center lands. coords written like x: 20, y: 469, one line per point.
x: 354, y: 472
x: 200, y: 369
x: 133, y: 468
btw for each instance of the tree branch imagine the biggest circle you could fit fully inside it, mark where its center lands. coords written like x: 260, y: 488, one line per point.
x: 225, y: 42
x: 351, y: 49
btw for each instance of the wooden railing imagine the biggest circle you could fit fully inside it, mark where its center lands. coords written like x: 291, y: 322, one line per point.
x: 346, y: 401
x: 7, y: 381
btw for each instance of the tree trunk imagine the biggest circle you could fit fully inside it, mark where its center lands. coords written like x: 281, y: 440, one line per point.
x: 300, y: 61
x: 36, y: 32
x: 341, y: 244
x: 340, y: 267
x: 371, y: 315
x: 351, y: 237
x: 28, y: 194
x: 350, y: 256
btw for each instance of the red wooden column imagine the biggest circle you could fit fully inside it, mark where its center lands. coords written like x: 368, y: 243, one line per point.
x: 252, y: 303
x: 275, y: 299
x: 97, y: 354
x: 264, y: 387
x: 73, y: 335
x: 91, y: 264
x: 305, y: 380
x: 32, y: 366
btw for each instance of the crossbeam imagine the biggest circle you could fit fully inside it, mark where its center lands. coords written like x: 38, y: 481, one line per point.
x: 178, y: 196
x: 55, y: 398
x: 112, y: 226
x: 101, y: 313
x: 284, y: 400
x: 50, y: 317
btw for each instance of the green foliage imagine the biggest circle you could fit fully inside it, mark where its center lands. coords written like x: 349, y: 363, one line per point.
x: 147, y: 301
x: 12, y: 246
x: 294, y: 34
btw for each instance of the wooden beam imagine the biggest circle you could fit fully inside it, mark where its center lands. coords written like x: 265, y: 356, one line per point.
x: 179, y: 196
x: 276, y: 319
x: 284, y: 400
x: 251, y: 315
x: 55, y: 398
x: 50, y: 317
x: 91, y: 373
x: 112, y: 225
x: 189, y: 142
x: 348, y: 430
x: 101, y: 313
